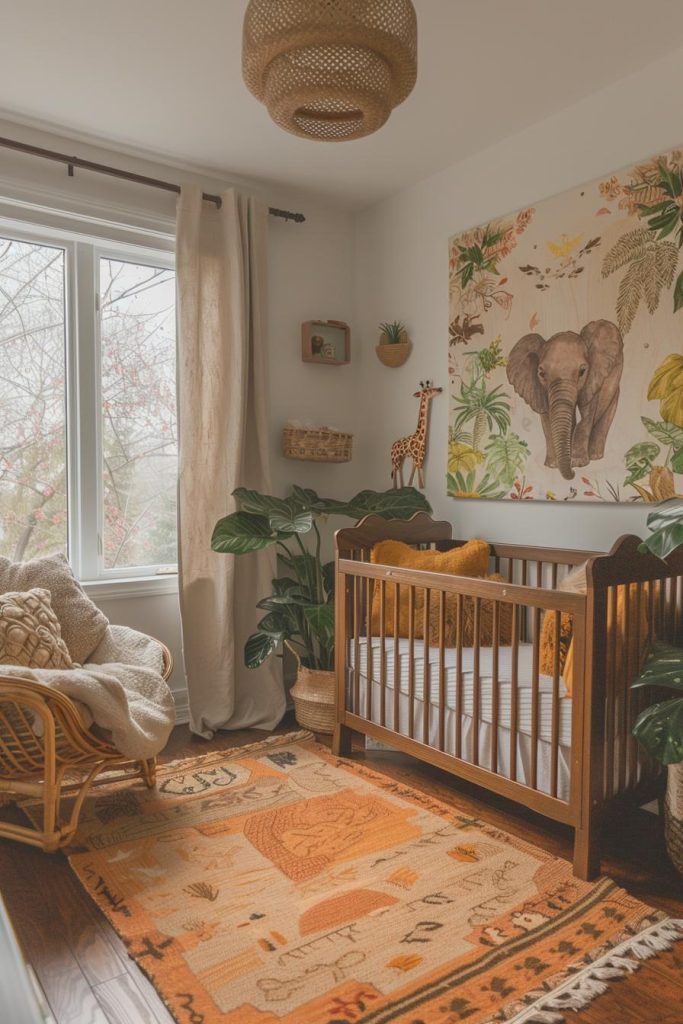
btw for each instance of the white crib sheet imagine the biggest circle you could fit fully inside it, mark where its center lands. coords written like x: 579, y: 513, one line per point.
x: 524, y: 705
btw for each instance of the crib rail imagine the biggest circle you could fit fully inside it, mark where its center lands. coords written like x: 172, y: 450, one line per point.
x: 420, y: 664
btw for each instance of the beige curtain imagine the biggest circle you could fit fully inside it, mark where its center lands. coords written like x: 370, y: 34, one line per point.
x: 221, y: 257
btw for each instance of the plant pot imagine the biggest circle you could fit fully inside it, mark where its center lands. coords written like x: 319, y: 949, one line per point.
x: 315, y: 697
x: 673, y: 815
x: 393, y: 354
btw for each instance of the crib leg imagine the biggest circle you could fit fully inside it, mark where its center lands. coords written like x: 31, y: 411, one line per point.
x: 587, y: 851
x: 342, y: 740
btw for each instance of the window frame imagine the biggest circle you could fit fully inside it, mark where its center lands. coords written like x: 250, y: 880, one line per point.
x: 82, y: 400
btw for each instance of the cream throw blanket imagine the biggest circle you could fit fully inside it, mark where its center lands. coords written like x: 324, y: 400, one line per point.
x: 119, y: 689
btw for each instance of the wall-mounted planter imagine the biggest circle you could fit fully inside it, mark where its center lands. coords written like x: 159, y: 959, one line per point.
x: 394, y: 355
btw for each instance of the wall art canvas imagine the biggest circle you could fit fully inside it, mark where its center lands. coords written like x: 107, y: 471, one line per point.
x: 566, y: 344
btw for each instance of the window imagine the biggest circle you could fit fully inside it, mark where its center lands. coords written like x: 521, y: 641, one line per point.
x: 33, y: 514
x: 88, y: 441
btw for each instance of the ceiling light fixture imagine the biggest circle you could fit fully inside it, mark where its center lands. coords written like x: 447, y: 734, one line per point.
x: 330, y: 70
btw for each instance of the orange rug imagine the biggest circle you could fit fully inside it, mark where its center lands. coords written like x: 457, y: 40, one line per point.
x: 277, y: 884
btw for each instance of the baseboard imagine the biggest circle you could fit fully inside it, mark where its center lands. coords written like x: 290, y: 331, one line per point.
x: 182, y: 707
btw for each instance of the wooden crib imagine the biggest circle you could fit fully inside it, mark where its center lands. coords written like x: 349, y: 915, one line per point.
x: 488, y: 714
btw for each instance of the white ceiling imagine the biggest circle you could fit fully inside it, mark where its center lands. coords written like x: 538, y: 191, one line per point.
x: 164, y: 76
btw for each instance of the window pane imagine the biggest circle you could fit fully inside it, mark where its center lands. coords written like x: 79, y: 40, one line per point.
x: 137, y: 308
x: 32, y: 400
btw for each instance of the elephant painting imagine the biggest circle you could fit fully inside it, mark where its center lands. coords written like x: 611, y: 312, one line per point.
x: 568, y: 373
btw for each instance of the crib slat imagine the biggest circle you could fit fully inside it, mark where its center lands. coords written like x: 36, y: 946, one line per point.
x: 397, y: 659
x: 357, y: 583
x: 426, y: 708
x: 458, y: 679
x: 610, y: 690
x: 383, y: 653
x: 371, y: 657
x: 495, y: 683
x: 476, y: 681
x: 411, y: 661
x: 535, y: 688
x: 634, y: 668
x: 514, y: 679
x: 442, y: 669
x: 624, y: 690
x: 555, y: 731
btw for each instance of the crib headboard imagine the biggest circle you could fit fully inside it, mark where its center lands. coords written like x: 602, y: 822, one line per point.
x: 357, y: 541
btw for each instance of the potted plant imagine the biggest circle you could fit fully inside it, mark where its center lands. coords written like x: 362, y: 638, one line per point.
x: 659, y: 728
x: 299, y: 612
x: 394, y: 344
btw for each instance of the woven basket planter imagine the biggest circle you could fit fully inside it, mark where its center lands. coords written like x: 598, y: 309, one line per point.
x: 393, y: 354
x: 315, y: 697
x: 316, y: 444
x: 673, y: 815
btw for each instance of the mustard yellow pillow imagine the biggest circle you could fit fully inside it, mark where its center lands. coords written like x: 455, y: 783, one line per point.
x: 30, y: 634
x: 469, y: 560
x: 485, y: 620
x: 575, y: 582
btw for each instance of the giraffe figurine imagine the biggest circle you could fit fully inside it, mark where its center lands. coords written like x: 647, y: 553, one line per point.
x: 414, y: 446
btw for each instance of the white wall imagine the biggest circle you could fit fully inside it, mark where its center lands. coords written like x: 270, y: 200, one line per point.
x: 401, y: 273
x: 310, y: 278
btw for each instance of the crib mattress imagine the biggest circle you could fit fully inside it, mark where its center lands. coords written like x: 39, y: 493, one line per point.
x: 400, y: 674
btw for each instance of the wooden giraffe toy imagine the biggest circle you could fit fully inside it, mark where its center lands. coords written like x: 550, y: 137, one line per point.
x: 414, y: 446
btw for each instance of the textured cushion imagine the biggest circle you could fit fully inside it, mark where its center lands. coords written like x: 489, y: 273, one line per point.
x: 485, y: 620
x: 83, y: 624
x: 29, y: 632
x: 573, y: 583
x: 469, y: 560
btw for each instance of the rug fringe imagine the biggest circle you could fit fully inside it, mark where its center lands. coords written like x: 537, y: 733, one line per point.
x: 580, y: 989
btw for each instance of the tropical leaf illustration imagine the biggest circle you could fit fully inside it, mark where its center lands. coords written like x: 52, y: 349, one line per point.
x: 506, y: 457
x: 651, y: 265
x: 666, y: 433
x: 626, y: 248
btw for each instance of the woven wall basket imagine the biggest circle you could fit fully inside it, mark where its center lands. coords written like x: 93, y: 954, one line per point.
x: 393, y: 355
x: 330, y: 69
x: 316, y: 444
x: 673, y: 815
x: 315, y: 697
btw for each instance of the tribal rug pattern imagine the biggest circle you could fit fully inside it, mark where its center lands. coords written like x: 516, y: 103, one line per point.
x: 277, y: 884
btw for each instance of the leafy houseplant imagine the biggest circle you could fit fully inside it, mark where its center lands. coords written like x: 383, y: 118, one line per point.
x: 659, y: 728
x: 394, y: 344
x: 393, y: 333
x: 300, y: 609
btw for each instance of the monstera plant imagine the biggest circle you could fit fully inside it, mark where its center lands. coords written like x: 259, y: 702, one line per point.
x: 300, y: 608
x: 659, y: 728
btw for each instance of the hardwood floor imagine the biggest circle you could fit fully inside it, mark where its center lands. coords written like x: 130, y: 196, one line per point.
x: 88, y: 978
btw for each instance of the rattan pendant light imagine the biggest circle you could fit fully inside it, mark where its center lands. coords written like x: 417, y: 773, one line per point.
x: 330, y: 70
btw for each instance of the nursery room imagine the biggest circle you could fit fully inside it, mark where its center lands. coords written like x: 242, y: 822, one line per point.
x: 341, y: 512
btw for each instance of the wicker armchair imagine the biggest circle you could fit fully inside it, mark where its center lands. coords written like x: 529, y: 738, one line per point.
x: 34, y: 765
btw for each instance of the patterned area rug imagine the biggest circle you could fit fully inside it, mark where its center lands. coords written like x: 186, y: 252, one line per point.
x: 277, y: 884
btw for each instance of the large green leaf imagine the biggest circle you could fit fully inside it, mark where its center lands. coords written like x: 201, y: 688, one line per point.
x: 678, y: 293
x: 659, y: 729
x: 320, y: 618
x: 328, y: 571
x: 242, y: 532
x: 254, y: 501
x: 274, y: 624
x: 666, y: 522
x: 664, y: 667
x: 290, y: 520
x: 258, y: 647
x: 396, y: 503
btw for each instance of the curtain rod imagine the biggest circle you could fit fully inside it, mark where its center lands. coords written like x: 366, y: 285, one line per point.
x: 114, y: 172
